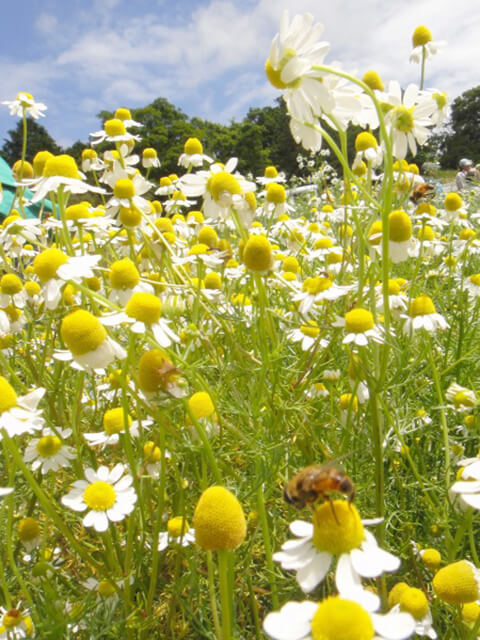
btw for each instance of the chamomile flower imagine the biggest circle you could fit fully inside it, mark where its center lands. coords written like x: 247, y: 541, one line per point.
x: 367, y: 149
x: 88, y: 343
x: 48, y: 452
x: 178, y: 533
x: 15, y: 624
x: 424, y: 45
x: 334, y: 618
x: 360, y: 327
x: 409, y: 118
x: 308, y: 335
x: 115, y: 422
x: 114, y: 130
x: 19, y: 414
x: 150, y: 158
x: 472, y: 285
x: 24, y: 104
x: 413, y: 601
x: 125, y: 116
x: 108, y: 495
x: 317, y: 289
x: 337, y: 531
x: 401, y: 244
x: 422, y: 315
x: 143, y: 311
x: 193, y: 155
x: 467, y: 486
x: 60, y: 172
x: 461, y: 398
x: 128, y: 192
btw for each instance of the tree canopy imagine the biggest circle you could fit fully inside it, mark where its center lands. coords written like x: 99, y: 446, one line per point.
x: 462, y: 136
x: 38, y: 139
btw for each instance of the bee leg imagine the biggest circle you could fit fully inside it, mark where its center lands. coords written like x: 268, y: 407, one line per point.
x: 333, y: 511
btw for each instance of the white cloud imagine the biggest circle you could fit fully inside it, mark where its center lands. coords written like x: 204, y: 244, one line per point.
x: 46, y: 24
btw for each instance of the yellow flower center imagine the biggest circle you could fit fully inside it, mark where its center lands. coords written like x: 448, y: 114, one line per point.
x: 276, y: 193
x: 467, y: 234
x: 213, y: 281
x: 337, y: 527
x: 339, y: 619
x: 291, y: 265
x: 130, y: 216
x: 62, y: 165
x: 274, y: 75
x: 453, y: 201
x: 372, y: 79
x: 25, y: 98
x: 198, y: 249
x: 124, y: 274
x: 251, y: 200
x: 317, y: 285
x: 82, y: 332
x: 32, y: 288
x: 39, y: 161
x: 149, y: 153
x: 208, y: 236
x: 323, y: 243
x: 358, y: 321
x: 154, y: 371
x: 464, y: 398
x: 123, y: 114
x: 431, y: 558
x: 441, y: 98
x: 193, y: 146
x: 348, y: 400
x: 48, y: 446
x: 393, y: 288
x: 403, y: 119
x: 396, y: 593
x: 151, y: 452
x: 144, y: 307
x: 257, y: 254
x: 46, y: 263
x: 414, y: 602
x: 124, y: 188
x: 87, y: 154
x: 201, y: 405
x: 312, y: 329
x: 28, y: 529
x: 8, y: 397
x: 470, y: 612
x: 12, y: 619
x: 422, y: 306
x: 105, y: 589
x: 77, y: 211
x: 421, y: 36
x: 400, y: 226
x: 10, y: 284
x: 457, y: 583
x: 375, y: 230
x: 334, y: 258
x: 99, y: 496
x: 177, y: 527
x: 114, y: 421
x: 364, y: 141
x: 426, y: 233
x: 114, y: 127
x: 22, y: 170
x: 475, y: 279
x: 270, y: 172
x: 221, y: 183
x: 219, y: 521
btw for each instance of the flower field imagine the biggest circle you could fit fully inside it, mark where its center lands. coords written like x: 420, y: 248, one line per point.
x: 237, y: 406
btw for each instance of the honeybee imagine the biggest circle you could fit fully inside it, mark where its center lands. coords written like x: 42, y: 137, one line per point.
x: 317, y: 483
x: 421, y: 191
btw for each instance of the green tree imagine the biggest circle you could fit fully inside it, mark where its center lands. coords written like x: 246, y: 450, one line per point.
x: 462, y: 139
x: 38, y: 139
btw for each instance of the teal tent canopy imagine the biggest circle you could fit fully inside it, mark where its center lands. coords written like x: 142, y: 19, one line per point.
x: 8, y: 184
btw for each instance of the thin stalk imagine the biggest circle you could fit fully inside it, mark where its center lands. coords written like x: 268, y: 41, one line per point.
x: 226, y: 594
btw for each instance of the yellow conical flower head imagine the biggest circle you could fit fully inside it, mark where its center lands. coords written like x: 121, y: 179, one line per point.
x: 82, y: 332
x: 219, y: 521
x: 470, y: 612
x: 155, y: 370
x: 414, y: 602
x: 257, y: 254
x: 123, y: 114
x: 276, y: 193
x: 8, y: 397
x: 114, y: 127
x: 396, y: 593
x: 223, y: 184
x: 193, y: 146
x: 45, y: 264
x: 10, y: 284
x: 144, y: 307
x: 364, y: 141
x: 421, y: 36
x: 77, y: 211
x: 457, y: 583
x: 337, y: 527
x: 28, y: 529
x: 339, y: 619
x: 39, y: 162
x: 422, y: 306
x: 373, y: 80
x: 87, y: 154
x: 453, y: 202
x: 270, y: 172
x: 149, y: 153
x: 400, y: 226
x: 124, y: 274
x: 62, y: 165
x: 201, y: 405
x: 208, y: 236
x: 22, y: 170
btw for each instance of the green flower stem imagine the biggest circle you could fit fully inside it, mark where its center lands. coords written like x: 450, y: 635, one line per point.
x: 443, y: 418
x: 266, y: 539
x: 471, y: 538
x: 212, y: 596
x: 422, y: 72
x: 66, y: 233
x: 226, y: 593
x: 206, y: 446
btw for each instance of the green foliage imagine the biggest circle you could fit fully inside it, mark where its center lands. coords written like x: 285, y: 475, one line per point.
x: 38, y: 139
x: 462, y: 139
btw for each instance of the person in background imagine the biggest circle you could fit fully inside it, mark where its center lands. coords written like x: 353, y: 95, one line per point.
x: 464, y: 166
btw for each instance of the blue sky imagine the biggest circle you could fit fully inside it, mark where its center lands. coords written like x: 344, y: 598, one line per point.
x: 207, y: 56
